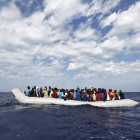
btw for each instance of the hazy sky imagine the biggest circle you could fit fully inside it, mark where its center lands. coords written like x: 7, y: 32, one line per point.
x: 70, y: 43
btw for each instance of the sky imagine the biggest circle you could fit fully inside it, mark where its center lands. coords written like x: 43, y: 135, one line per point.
x: 70, y: 43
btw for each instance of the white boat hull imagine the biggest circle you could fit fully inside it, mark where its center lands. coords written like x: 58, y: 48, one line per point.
x: 20, y: 96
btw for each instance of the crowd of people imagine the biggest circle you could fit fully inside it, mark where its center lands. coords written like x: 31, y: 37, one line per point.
x: 90, y: 95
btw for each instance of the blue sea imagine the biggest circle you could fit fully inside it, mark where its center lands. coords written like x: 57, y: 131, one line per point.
x: 59, y: 122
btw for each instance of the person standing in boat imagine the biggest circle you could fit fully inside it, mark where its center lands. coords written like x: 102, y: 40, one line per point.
x: 121, y: 95
x: 78, y: 98
x: 28, y: 91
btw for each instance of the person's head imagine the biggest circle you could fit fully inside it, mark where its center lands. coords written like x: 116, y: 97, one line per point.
x: 110, y: 90
x: 104, y: 91
x: 28, y: 87
x: 34, y: 87
x: 120, y: 91
x: 84, y: 91
x: 115, y: 91
x: 85, y: 88
x: 99, y: 89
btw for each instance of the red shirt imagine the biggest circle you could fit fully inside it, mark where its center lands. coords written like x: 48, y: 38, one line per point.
x: 90, y: 97
x: 98, y: 97
x: 55, y: 94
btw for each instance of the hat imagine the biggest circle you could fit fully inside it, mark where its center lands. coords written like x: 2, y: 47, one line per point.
x: 84, y: 91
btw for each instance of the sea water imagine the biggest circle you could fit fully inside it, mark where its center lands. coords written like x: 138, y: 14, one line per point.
x: 59, y: 122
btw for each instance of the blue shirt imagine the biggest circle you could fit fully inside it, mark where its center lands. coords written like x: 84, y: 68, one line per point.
x: 27, y: 92
x: 60, y: 95
x: 84, y: 97
x: 102, y: 96
x: 78, y: 98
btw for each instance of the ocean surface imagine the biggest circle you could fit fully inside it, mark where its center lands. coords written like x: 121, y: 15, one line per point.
x: 59, y: 122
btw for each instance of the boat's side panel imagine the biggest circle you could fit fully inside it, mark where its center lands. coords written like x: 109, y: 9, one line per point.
x: 52, y: 101
x: 115, y: 103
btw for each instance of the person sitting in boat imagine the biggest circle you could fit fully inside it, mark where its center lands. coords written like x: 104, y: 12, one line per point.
x: 38, y: 92
x: 28, y: 91
x: 58, y: 91
x: 66, y: 93
x: 71, y: 92
x: 41, y: 94
x: 98, y: 96
x: 31, y: 93
x: 105, y: 93
x: 35, y: 94
x: 51, y: 93
x: 108, y: 96
x: 117, y: 97
x: 54, y: 95
x: 78, y: 98
x: 45, y: 92
x: 81, y: 94
x: 64, y: 96
x: 69, y: 96
x: 84, y: 95
x: 121, y: 95
x: 111, y: 94
x: 102, y: 95
x: 94, y: 94
x: 60, y: 94
x: 90, y: 96
x: 74, y: 95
